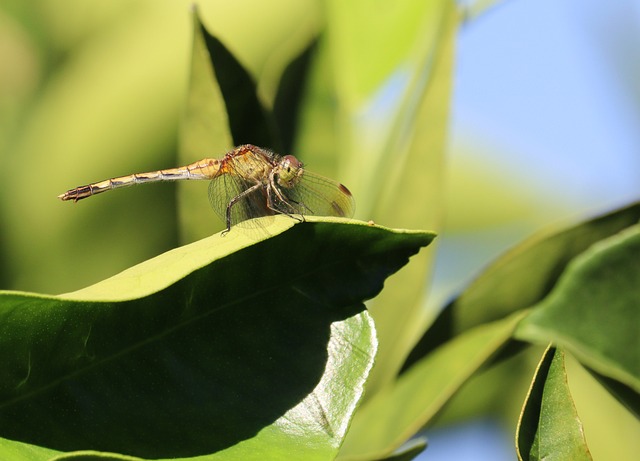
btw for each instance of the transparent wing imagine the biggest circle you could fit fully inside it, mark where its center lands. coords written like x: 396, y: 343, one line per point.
x: 318, y: 196
x: 224, y: 188
x: 242, y: 181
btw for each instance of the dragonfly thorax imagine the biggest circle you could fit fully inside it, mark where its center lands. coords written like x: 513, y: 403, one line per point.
x: 289, y: 171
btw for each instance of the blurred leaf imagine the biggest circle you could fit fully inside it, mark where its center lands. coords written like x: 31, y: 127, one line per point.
x: 205, y: 333
x: 472, y: 183
x: 204, y: 131
x: 248, y: 119
x: 593, y: 310
x: 289, y: 98
x: 101, y: 108
x: 413, y: 187
x: 472, y: 9
x: 391, y: 113
x: 398, y: 411
x: 629, y: 398
x: 549, y: 427
x: 610, y: 428
x: 358, y: 33
x: 408, y: 451
x: 520, y: 278
x: 315, y: 141
x: 494, y: 393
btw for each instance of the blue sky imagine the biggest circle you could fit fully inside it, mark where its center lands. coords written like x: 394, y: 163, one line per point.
x: 540, y: 82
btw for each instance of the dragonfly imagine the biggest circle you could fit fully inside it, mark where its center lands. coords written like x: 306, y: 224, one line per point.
x: 248, y: 182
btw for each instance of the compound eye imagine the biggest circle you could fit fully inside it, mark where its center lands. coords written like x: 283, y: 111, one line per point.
x: 291, y: 162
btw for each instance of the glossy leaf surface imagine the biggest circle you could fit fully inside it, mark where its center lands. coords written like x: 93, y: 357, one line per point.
x: 594, y: 310
x: 231, y: 343
x: 549, y: 427
x: 521, y: 278
x: 399, y: 411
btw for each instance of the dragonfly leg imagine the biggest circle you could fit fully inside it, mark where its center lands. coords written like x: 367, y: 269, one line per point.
x: 303, y: 206
x: 235, y: 200
x: 273, y: 188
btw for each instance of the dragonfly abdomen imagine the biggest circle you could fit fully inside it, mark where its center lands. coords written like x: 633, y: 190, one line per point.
x: 202, y: 169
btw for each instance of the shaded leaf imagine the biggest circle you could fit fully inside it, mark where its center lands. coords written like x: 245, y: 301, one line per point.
x: 549, y: 427
x: 593, y: 310
x: 248, y: 119
x: 288, y: 101
x: 180, y: 356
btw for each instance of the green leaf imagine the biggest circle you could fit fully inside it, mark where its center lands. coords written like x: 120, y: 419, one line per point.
x: 473, y: 9
x: 287, y: 105
x: 593, y: 310
x: 624, y: 394
x: 255, y: 346
x: 107, y: 108
x: 82, y: 455
x: 408, y: 451
x: 204, y: 132
x: 520, y: 278
x: 248, y: 119
x: 408, y: 180
x: 224, y: 110
x: 400, y: 410
x: 549, y: 427
x: 390, y: 114
x: 15, y: 451
x: 610, y: 428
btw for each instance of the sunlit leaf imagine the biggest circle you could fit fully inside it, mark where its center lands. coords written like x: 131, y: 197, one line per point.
x: 391, y: 110
x: 593, y: 310
x: 549, y: 427
x: 520, y: 278
x: 398, y: 411
x: 408, y: 451
x: 410, y: 185
x: 204, y: 132
x: 95, y: 113
x: 180, y: 355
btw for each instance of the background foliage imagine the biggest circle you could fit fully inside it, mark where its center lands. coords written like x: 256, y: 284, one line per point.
x: 100, y: 93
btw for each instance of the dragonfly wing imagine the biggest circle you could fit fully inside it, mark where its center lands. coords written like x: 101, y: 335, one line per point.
x: 319, y: 196
x: 243, y: 181
x: 224, y: 188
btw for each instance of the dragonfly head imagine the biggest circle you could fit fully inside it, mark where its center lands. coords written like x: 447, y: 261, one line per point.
x: 290, y: 171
